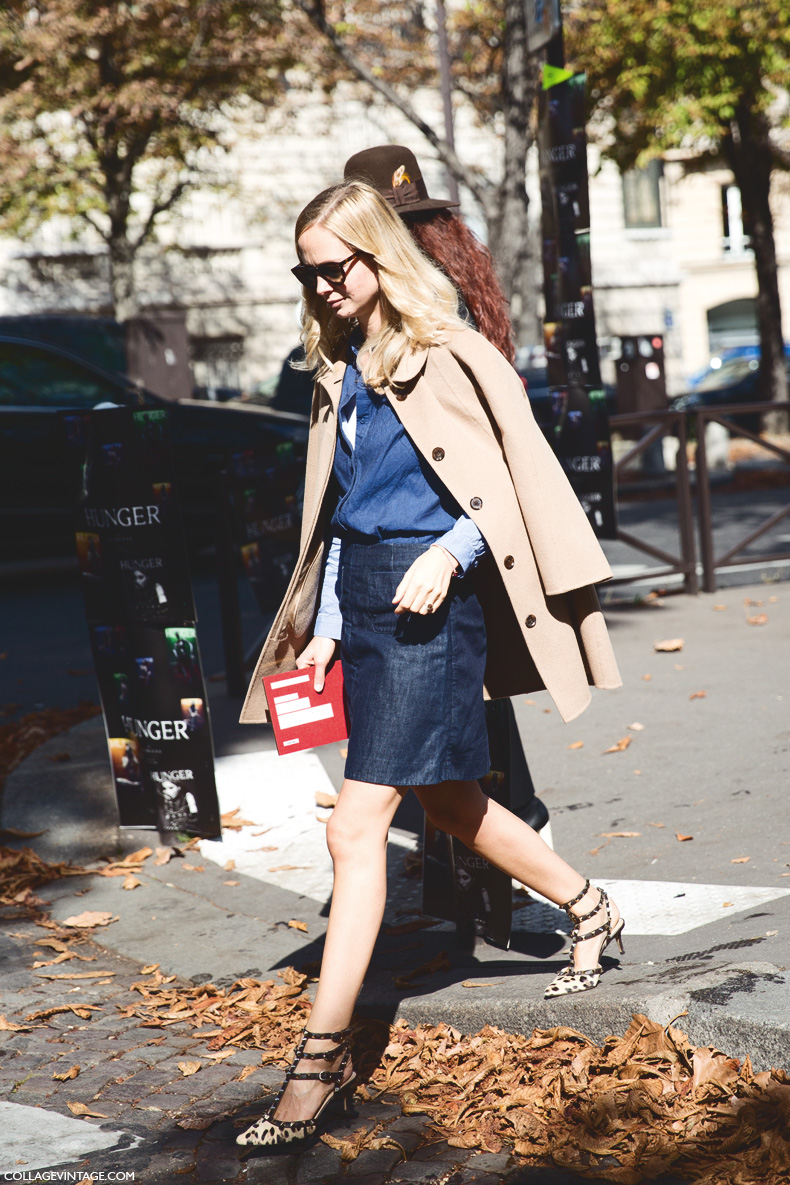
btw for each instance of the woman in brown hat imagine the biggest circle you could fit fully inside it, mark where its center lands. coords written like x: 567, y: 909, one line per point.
x: 415, y: 418
x: 443, y: 235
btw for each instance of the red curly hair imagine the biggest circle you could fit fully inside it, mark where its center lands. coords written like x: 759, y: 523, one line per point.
x: 447, y: 240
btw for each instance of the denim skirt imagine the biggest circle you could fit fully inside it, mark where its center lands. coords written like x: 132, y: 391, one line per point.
x: 414, y: 683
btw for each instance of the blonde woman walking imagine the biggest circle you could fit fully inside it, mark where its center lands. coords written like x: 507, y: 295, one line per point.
x: 442, y: 552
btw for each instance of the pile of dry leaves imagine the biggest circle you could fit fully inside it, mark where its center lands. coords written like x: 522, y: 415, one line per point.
x: 21, y: 871
x: 644, y: 1104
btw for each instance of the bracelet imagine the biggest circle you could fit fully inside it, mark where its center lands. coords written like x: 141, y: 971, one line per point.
x: 451, y: 558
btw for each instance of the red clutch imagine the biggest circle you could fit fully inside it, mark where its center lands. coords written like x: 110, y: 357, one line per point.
x: 303, y: 718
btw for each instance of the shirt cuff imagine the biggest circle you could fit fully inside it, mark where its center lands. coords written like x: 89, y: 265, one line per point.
x: 329, y: 621
x: 465, y: 543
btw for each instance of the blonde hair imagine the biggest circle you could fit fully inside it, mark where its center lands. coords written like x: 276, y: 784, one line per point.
x: 418, y: 303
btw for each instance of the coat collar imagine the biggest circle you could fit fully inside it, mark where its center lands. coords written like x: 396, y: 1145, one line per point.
x: 407, y: 369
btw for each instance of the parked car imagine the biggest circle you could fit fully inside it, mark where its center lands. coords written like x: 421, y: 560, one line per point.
x: 735, y: 381
x: 38, y: 482
x: 718, y: 360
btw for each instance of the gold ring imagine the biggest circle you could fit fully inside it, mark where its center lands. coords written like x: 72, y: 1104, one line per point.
x: 429, y: 608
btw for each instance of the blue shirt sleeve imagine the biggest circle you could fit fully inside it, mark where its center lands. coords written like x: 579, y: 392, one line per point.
x: 329, y: 622
x: 465, y: 542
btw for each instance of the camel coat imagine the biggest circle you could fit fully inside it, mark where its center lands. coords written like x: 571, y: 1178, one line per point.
x: 466, y: 411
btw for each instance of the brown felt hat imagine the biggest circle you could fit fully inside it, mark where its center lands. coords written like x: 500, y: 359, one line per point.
x: 394, y: 172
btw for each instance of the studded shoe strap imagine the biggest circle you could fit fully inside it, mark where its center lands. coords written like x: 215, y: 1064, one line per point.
x: 569, y: 904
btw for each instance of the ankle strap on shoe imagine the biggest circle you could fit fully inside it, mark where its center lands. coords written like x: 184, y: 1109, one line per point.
x: 307, y: 1035
x: 568, y: 906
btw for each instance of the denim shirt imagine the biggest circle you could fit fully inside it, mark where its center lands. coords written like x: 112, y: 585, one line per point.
x: 387, y: 491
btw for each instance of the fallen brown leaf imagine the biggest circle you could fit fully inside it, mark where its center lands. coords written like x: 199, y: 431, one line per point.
x: 619, y: 746
x: 231, y: 822
x: 74, y: 974
x: 84, y: 1109
x: 89, y: 919
x: 131, y: 882
x: 741, y: 860
x: 288, y: 867
x: 231, y: 882
x: 636, y: 726
x: 647, y: 678
x: 682, y: 838
x: 698, y: 695
x: 137, y: 857
x: 576, y: 745
x: 163, y: 856
x: 471, y: 983
x: 228, y: 866
x: 324, y: 799
x: 295, y: 925
x: 245, y: 1073
x: 719, y: 608
x: 619, y: 834
x: 758, y: 619
x: 193, y: 867
x: 188, y: 1068
x: 727, y: 904
x: 149, y: 969
x: 432, y: 967
x: 656, y: 824
x: 8, y: 1026
x: 669, y: 645
x: 67, y: 1074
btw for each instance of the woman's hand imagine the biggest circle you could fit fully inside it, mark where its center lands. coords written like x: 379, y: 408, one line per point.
x: 426, y: 582
x: 319, y: 654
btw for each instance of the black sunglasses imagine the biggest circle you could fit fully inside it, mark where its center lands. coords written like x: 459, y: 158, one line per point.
x: 335, y: 273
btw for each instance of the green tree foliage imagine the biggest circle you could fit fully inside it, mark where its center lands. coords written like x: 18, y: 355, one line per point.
x: 392, y: 49
x: 709, y: 77
x: 111, y: 112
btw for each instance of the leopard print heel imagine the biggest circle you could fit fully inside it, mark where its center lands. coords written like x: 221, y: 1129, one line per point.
x: 269, y: 1132
x: 569, y: 979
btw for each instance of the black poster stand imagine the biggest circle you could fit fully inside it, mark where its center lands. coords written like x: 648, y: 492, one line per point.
x: 141, y: 615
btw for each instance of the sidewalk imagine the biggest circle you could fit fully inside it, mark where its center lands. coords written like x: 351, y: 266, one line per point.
x: 684, y: 825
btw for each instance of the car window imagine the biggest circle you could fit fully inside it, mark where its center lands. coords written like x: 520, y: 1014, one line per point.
x: 33, y: 378
x: 734, y: 370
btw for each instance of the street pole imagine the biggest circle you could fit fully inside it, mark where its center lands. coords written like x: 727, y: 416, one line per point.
x: 446, y: 88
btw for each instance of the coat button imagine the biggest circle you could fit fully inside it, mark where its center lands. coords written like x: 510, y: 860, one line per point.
x: 476, y: 503
x: 438, y: 454
x: 509, y: 561
x: 531, y: 621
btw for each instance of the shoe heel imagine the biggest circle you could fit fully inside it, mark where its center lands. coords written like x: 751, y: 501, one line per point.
x: 619, y: 939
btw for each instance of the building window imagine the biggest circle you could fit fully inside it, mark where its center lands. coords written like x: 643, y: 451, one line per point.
x: 642, y: 196
x: 215, y: 363
x: 735, y: 221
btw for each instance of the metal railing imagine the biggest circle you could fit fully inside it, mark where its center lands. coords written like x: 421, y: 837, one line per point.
x: 684, y: 564
x: 710, y: 561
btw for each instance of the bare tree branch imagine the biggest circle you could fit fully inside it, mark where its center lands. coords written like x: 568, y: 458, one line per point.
x: 478, y: 187
x: 87, y: 216
x: 160, y: 206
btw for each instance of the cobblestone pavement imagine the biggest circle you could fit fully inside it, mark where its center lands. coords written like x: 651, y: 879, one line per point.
x: 129, y: 1074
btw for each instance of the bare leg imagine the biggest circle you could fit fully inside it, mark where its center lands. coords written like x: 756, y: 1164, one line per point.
x: 462, y: 810
x: 357, y: 838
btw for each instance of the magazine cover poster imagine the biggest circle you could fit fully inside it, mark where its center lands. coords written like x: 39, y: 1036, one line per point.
x: 156, y: 712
